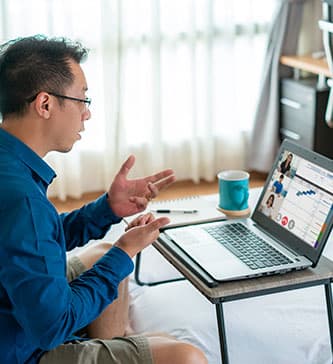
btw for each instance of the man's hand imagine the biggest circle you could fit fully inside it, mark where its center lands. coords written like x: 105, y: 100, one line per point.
x: 128, y: 197
x: 143, y: 232
x: 140, y: 220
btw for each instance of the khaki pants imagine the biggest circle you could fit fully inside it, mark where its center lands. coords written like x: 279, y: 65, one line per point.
x: 119, y: 350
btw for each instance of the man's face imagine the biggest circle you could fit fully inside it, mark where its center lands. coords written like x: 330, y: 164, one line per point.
x: 69, y: 117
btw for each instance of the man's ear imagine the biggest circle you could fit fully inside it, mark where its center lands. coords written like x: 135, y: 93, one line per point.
x: 43, y: 105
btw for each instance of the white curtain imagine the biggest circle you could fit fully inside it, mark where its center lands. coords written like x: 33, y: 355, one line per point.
x: 291, y: 25
x: 173, y: 81
x: 266, y: 129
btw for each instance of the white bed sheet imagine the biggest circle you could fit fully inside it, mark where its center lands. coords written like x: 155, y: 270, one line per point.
x: 283, y: 328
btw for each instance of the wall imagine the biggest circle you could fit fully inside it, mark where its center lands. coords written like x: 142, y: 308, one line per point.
x: 310, y: 39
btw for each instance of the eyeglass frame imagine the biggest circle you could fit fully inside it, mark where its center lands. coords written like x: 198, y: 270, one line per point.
x: 86, y: 101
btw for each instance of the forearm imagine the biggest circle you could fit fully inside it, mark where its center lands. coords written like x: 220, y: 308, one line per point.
x: 92, y: 221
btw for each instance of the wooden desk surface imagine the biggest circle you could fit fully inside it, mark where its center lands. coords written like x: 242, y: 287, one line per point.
x: 230, y: 291
x: 307, y: 63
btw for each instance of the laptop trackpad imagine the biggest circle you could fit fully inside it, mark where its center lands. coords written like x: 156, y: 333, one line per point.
x: 206, y: 251
x: 217, y: 261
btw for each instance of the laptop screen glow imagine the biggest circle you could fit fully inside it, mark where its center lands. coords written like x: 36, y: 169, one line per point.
x: 299, y: 197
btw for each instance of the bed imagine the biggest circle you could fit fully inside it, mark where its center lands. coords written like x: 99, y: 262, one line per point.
x: 282, y: 328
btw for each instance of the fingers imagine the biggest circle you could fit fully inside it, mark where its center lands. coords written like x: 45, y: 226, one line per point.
x: 127, y: 165
x: 140, y: 202
x: 161, y: 175
x: 153, y: 190
x: 158, y: 223
x: 145, y: 219
x: 157, y: 185
x: 149, y: 220
x: 138, y: 238
x: 141, y: 220
x: 166, y: 182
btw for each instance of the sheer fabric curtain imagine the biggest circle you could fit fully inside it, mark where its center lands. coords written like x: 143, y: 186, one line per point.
x: 174, y: 82
x: 265, y: 137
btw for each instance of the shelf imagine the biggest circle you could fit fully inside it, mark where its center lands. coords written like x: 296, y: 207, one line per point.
x: 307, y: 63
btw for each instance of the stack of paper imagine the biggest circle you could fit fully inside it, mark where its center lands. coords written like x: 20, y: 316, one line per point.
x: 185, y: 211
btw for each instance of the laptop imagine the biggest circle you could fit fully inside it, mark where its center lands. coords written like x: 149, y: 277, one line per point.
x: 288, y: 229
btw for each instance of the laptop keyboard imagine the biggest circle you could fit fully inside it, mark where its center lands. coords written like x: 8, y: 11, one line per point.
x: 247, y: 246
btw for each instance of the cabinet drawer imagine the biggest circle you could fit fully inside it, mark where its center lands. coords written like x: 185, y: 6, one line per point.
x: 299, y: 135
x: 294, y: 125
x: 297, y: 103
x: 298, y: 111
x: 297, y: 91
x: 294, y: 111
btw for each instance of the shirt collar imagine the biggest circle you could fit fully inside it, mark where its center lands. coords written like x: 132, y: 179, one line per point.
x: 27, y: 156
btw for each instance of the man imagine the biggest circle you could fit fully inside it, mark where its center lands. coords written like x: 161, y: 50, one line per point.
x: 278, y: 185
x: 44, y: 107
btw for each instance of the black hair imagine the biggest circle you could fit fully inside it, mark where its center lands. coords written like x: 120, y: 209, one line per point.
x: 271, y: 196
x: 34, y: 64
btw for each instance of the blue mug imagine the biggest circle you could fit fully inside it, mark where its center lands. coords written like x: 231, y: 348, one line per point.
x: 233, y: 191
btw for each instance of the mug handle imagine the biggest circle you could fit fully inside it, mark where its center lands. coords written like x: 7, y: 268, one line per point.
x: 245, y: 196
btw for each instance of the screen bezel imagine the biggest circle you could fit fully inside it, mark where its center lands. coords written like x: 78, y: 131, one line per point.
x: 277, y: 231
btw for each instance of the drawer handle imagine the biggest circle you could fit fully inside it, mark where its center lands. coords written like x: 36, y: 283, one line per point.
x: 290, y: 103
x: 290, y: 134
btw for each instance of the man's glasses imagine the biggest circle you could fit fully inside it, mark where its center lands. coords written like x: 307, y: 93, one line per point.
x: 86, y: 101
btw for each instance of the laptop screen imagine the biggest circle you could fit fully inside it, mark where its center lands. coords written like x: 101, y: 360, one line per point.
x: 298, y: 196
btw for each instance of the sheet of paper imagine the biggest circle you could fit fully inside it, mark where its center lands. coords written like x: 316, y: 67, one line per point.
x: 204, y: 205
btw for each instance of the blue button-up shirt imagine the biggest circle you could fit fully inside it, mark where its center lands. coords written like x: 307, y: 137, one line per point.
x: 39, y: 309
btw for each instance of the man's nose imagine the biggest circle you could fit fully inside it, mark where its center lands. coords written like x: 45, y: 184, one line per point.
x: 86, y: 115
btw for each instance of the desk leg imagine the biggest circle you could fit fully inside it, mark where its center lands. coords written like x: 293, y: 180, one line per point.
x: 329, y: 303
x: 137, y: 275
x: 137, y: 269
x: 222, y: 335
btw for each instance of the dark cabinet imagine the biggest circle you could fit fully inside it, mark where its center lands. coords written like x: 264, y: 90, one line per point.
x: 302, y: 115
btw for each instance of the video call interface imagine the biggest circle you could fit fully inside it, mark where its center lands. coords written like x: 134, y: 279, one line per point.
x: 299, y: 197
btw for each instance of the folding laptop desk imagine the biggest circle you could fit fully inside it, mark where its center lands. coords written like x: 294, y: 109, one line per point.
x: 241, y: 289
x: 231, y: 291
